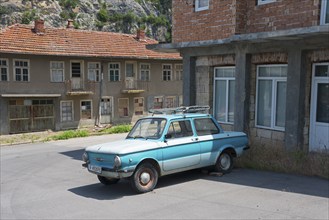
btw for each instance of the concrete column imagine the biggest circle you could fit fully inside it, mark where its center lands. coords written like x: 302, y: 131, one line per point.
x: 295, y: 99
x: 4, y: 120
x: 242, y: 89
x: 189, y: 86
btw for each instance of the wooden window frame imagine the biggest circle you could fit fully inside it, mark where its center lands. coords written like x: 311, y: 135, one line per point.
x: 148, y: 72
x: 91, y: 109
x: 4, y: 67
x: 51, y: 71
x: 61, y: 105
x: 123, y: 116
x: 167, y: 73
x: 98, y: 73
x: 114, y: 69
x: 21, y: 68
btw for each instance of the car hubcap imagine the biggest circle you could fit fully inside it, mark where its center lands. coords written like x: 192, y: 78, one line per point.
x: 145, y: 178
x: 225, y: 162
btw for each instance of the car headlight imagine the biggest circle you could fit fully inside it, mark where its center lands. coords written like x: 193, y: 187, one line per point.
x: 117, y: 161
x: 85, y: 157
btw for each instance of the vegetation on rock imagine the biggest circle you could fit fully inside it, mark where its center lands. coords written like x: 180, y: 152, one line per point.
x: 125, y: 16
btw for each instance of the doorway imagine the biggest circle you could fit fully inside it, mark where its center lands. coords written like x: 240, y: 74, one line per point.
x: 77, y: 75
x: 130, y: 76
x: 319, y: 116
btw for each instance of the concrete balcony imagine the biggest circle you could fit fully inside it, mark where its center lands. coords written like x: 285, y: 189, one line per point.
x: 77, y: 86
x: 134, y: 86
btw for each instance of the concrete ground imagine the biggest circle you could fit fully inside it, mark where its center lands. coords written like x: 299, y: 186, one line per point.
x: 46, y: 181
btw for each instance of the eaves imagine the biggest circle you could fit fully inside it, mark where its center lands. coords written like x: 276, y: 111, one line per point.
x: 260, y: 37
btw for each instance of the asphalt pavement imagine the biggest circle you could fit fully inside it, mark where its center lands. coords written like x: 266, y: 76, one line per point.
x: 47, y: 181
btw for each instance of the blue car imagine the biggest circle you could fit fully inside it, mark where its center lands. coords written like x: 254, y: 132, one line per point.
x: 167, y: 142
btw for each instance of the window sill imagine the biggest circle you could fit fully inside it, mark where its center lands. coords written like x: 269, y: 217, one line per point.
x: 269, y: 128
x: 226, y: 123
x: 201, y: 9
x: 264, y: 3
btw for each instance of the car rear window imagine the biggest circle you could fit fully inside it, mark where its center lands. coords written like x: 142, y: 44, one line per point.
x: 205, y: 126
x: 179, y: 129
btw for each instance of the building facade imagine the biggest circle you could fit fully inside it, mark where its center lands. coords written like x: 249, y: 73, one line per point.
x: 66, y: 78
x: 262, y: 66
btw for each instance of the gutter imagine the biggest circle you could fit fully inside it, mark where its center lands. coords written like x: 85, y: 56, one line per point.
x: 283, y: 35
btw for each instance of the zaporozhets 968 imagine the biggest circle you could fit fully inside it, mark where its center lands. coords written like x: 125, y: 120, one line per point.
x: 169, y: 141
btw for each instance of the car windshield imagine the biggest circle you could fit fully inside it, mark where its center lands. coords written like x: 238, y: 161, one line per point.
x: 148, y: 128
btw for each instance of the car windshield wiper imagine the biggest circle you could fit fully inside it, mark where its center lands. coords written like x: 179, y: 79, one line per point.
x: 139, y: 136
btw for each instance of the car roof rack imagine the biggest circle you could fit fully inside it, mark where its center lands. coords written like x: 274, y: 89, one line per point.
x: 181, y: 110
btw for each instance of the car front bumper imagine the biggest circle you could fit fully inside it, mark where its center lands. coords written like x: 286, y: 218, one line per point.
x: 111, y: 173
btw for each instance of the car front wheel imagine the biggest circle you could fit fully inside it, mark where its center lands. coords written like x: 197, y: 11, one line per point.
x: 144, y: 178
x: 224, y: 163
x: 107, y: 181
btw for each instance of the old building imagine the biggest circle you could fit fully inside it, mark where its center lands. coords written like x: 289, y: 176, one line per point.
x: 262, y: 65
x: 61, y: 78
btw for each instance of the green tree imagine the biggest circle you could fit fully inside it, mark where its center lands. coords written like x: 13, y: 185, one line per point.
x: 103, y: 15
x: 28, y: 16
x: 68, y: 6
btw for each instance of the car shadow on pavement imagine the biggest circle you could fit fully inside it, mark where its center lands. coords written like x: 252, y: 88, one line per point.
x: 122, y: 188
x: 74, y: 154
x: 101, y: 192
x: 289, y: 183
x: 307, y: 185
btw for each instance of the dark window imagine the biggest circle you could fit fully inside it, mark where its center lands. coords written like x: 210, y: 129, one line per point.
x: 3, y: 70
x: 76, y: 69
x: 21, y: 70
x: 205, y: 126
x: 42, y: 102
x: 179, y: 129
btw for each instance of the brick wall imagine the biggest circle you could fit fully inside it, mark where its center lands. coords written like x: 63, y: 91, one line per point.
x: 215, y: 23
x: 282, y: 15
x: 225, y: 18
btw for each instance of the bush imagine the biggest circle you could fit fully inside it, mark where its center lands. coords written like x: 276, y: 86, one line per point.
x: 4, y: 10
x: 117, y: 129
x: 28, y: 16
x: 281, y: 160
x: 103, y: 15
x: 70, y: 134
x: 69, y: 4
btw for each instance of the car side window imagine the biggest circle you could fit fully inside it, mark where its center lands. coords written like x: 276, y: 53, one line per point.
x: 205, y: 126
x: 179, y: 129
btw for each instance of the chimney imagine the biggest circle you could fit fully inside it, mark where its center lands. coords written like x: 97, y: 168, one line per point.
x: 140, y: 35
x: 39, y: 26
x: 70, y: 23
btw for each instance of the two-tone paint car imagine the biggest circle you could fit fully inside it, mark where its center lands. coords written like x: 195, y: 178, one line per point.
x: 163, y: 144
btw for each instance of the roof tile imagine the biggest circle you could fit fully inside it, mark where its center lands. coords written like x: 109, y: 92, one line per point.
x: 21, y: 38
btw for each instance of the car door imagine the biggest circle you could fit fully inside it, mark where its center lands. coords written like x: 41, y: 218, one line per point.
x: 210, y: 140
x: 181, y: 148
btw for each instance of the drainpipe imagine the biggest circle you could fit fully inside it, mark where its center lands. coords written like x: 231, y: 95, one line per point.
x: 100, y: 97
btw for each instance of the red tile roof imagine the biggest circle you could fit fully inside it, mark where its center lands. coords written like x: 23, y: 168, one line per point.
x: 21, y: 39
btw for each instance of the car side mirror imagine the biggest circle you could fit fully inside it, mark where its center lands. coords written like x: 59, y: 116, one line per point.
x: 168, y: 136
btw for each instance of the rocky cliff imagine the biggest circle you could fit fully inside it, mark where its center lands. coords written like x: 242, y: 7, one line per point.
x: 124, y: 16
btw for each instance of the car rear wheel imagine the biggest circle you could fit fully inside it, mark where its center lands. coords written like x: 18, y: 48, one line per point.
x: 107, y: 181
x: 224, y: 163
x: 144, y: 178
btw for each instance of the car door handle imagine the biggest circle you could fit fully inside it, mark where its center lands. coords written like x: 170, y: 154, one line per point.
x: 195, y: 139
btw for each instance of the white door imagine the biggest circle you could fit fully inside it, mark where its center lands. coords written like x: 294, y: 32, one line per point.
x: 131, y: 75
x: 77, y: 75
x: 319, y: 118
x: 106, y: 110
